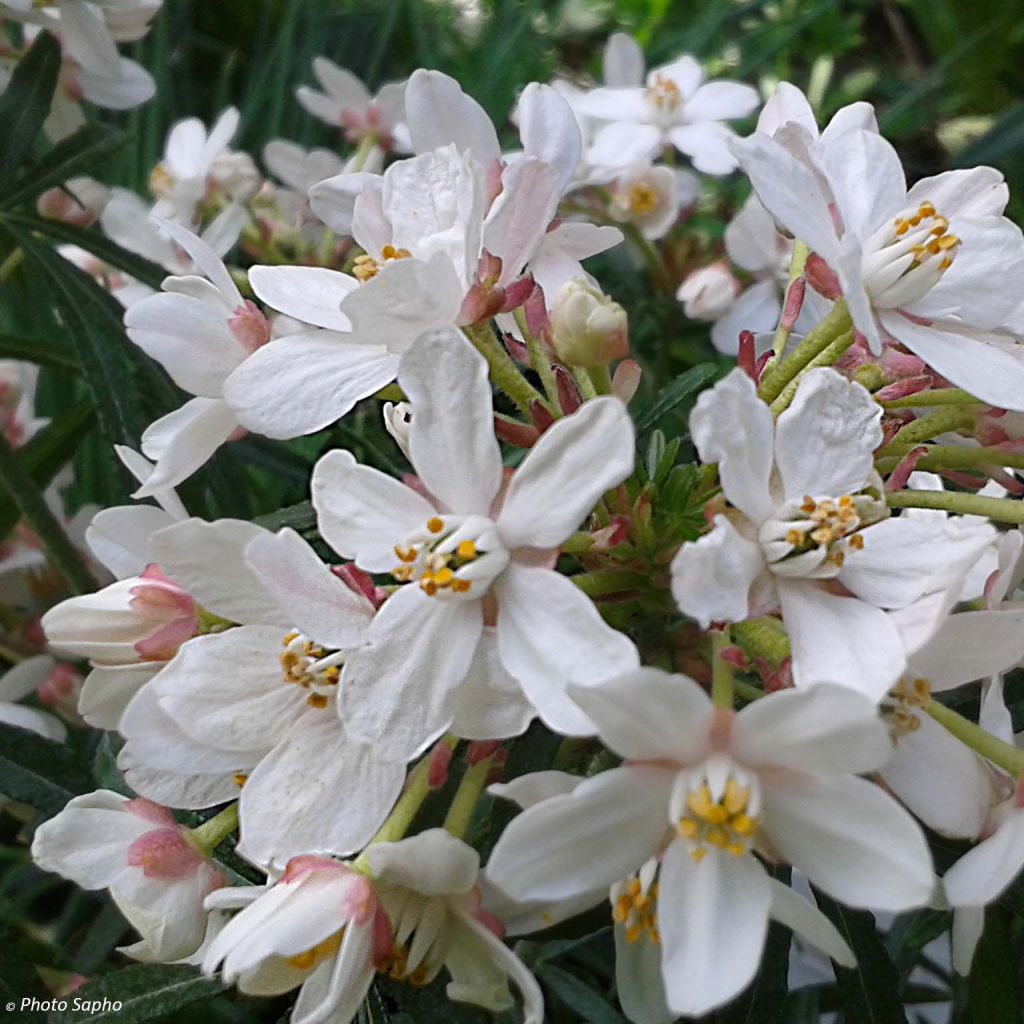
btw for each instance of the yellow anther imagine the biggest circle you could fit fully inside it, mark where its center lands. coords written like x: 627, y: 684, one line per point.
x: 743, y: 825
x: 316, y: 700
x: 822, y: 535
x: 856, y: 542
x: 320, y: 952
x: 940, y: 226
x: 444, y: 577
x: 428, y: 586
x: 466, y: 550
x: 717, y: 815
x: 331, y: 675
x: 435, y: 524
x: 461, y: 586
x: 717, y: 836
x: 405, y: 554
x: 289, y: 637
x: 808, y: 506
x: 634, y: 888
x: 736, y: 797
x: 642, y: 198
x: 947, y: 242
x: 240, y: 779
x: 699, y: 801
x: 688, y: 828
x: 794, y: 537
x: 837, y: 558
x: 620, y: 912
x: 926, y: 209
x: 846, y: 501
x: 736, y: 849
x: 633, y: 933
x: 945, y: 264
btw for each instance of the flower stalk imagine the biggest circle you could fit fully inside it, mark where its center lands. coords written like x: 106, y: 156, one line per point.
x: 796, y: 269
x: 1001, y: 754
x: 1002, y: 510
x: 504, y: 373
x: 828, y: 357
x: 207, y: 837
x: 721, y: 670
x: 464, y: 802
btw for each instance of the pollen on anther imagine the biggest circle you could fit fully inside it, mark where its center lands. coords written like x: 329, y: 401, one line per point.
x: 239, y: 779
x: 316, y: 700
x: 466, y: 550
x: 435, y: 524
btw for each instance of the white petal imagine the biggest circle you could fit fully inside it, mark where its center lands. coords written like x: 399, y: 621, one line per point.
x: 807, y: 921
x: 362, y: 513
x: 548, y: 130
x: 208, y: 560
x: 433, y: 863
x: 318, y: 603
x: 712, y: 576
x: 850, y: 838
x: 621, y: 143
x: 787, y: 103
x: 713, y: 918
x: 708, y: 144
x: 615, y: 103
x: 21, y: 679
x: 601, y: 832
x: 439, y: 112
x: 981, y: 875
x: 970, y: 192
x: 840, y: 640
x: 825, y: 439
x: 527, y: 790
x: 344, y: 86
x: 119, y: 537
x: 968, y: 925
x: 649, y: 715
x: 867, y: 178
x: 452, y: 444
x: 826, y: 728
x: 550, y: 635
x: 317, y: 792
x: 638, y: 980
x: 756, y: 309
x: 339, y: 990
x: 565, y: 473
x: 398, y: 691
x: 334, y: 200
x: 106, y: 692
x: 310, y: 294
x: 623, y: 63
x: 722, y: 101
x: 304, y: 382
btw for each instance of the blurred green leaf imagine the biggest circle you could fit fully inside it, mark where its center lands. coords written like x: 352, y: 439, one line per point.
x: 578, y: 996
x: 994, y: 986
x: 41, y: 351
x: 675, y: 393
x: 38, y: 771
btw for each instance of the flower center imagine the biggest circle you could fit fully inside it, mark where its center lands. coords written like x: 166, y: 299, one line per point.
x: 311, y: 958
x: 908, y: 697
x: 308, y: 665
x: 905, y: 258
x: 635, y: 907
x: 719, y: 811
x: 365, y: 266
x: 641, y: 199
x: 664, y: 96
x: 451, y: 556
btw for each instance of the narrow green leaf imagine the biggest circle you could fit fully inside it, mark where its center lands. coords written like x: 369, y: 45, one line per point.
x: 107, y: 929
x: 41, y: 351
x: 993, y: 995
x: 25, y: 102
x: 579, y: 997
x: 675, y: 393
x: 141, y: 992
x: 38, y: 771
x: 870, y: 992
x: 18, y: 978
x: 83, y: 151
x: 300, y: 517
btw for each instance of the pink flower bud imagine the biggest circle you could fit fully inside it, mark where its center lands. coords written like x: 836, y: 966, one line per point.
x: 626, y: 380
x: 822, y: 278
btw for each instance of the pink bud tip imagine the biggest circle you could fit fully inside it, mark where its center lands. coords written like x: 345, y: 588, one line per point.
x: 480, y: 750
x: 163, y: 853
x: 822, y: 278
x: 437, y: 770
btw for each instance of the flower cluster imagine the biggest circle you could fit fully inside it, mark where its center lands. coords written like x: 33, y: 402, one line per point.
x: 743, y: 658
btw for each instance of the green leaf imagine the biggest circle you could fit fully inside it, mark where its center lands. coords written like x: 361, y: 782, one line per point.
x: 38, y: 771
x: 26, y: 101
x: 18, y: 978
x: 675, y: 393
x: 141, y: 992
x: 41, y: 351
x: 579, y: 997
x: 83, y: 151
x: 300, y: 517
x: 993, y: 997
x: 870, y: 992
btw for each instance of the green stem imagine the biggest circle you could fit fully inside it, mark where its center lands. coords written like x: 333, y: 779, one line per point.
x: 361, y: 155
x: 601, y: 582
x: 951, y: 456
x: 11, y: 264
x: 943, y: 396
x: 601, y: 379
x: 796, y: 269
x: 417, y: 788
x: 207, y: 837
x: 463, y: 803
x: 829, y: 356
x: 22, y: 490
x: 577, y: 544
x: 582, y: 378
x: 836, y: 323
x: 721, y: 671
x: 930, y: 425
x: 504, y: 373
x: 1001, y: 754
x: 747, y: 691
x: 541, y: 364
x: 11, y: 655
x: 1002, y: 510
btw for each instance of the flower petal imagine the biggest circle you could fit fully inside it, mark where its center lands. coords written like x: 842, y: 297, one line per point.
x: 548, y: 130
x: 438, y: 112
x: 722, y: 101
x: 981, y: 875
x: 119, y: 537
x: 708, y: 144
x: 808, y: 922
x: 311, y: 294
x: 867, y: 180
x: 433, y: 863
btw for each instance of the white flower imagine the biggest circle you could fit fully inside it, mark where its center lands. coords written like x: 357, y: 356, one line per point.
x: 651, y: 197
x: 484, y: 632
x: 17, y: 683
x: 707, y: 794
x: 201, y: 331
x: 137, y: 850
x: 256, y: 704
x: 807, y: 516
x: 923, y: 267
x: 678, y: 108
x: 330, y: 929
x: 347, y: 104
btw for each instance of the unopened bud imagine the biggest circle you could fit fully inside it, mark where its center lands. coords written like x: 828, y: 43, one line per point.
x: 708, y: 293
x: 587, y: 327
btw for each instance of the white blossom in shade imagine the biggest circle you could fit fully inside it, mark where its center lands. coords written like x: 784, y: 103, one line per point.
x: 201, y: 331
x: 709, y: 292
x: 484, y: 633
x: 807, y: 531
x: 346, y: 103
x: 922, y: 267
x: 675, y: 108
x: 20, y: 681
x: 651, y: 197
x: 328, y: 930
x: 256, y: 704
x: 138, y: 851
x: 704, y: 796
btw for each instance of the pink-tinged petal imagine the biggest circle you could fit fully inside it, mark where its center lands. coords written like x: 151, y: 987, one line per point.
x: 398, y: 691
x: 203, y: 255
x: 318, y: 603
x: 342, y: 85
x: 713, y: 918
x: 163, y: 853
x: 451, y: 443
x: 712, y: 576
x: 840, y: 640
x: 623, y: 62
x: 438, y: 112
x: 990, y: 368
x: 982, y: 875
x: 324, y: 374
x: 362, y: 513
x: 941, y: 780
x: 850, y: 838
x: 311, y: 294
x: 550, y: 635
x: 565, y: 473
x: 649, y: 715
x: 834, y: 456
x: 827, y: 728
x: 722, y: 101
x: 601, y: 832
x: 183, y: 441
x: 867, y: 179
x: 317, y: 791
x: 623, y: 143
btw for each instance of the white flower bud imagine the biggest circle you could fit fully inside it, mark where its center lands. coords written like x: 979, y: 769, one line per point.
x: 587, y: 327
x: 708, y: 293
